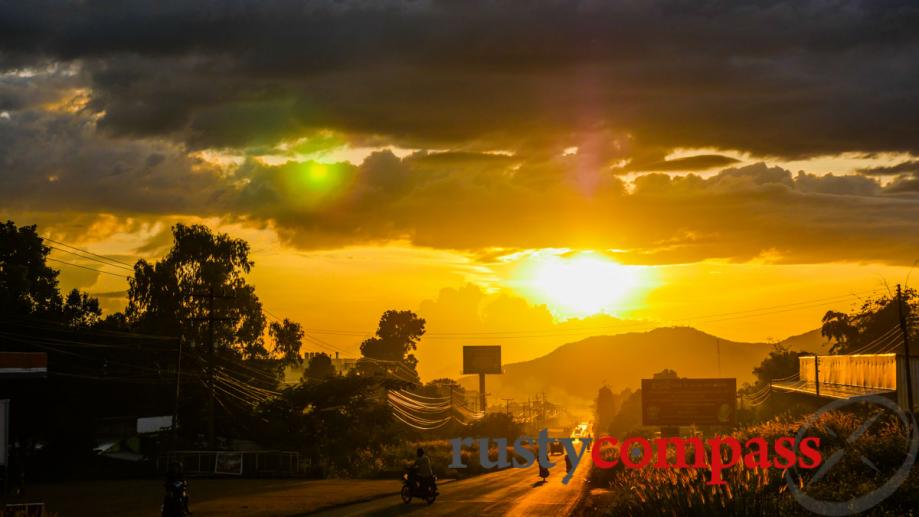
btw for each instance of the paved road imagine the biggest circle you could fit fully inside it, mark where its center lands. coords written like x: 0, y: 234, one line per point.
x: 509, y: 492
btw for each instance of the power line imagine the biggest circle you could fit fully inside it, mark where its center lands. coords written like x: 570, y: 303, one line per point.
x: 131, y: 266
x: 91, y: 258
x: 123, y: 277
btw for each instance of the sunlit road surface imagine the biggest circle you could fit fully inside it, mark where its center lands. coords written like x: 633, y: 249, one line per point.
x: 508, y: 492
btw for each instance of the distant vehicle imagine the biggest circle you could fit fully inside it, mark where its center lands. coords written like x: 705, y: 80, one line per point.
x: 556, y: 448
x: 411, y: 487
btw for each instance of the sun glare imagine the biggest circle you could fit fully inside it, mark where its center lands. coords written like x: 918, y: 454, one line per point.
x: 582, y: 284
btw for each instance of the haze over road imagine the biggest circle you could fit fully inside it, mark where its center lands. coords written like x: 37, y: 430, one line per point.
x: 508, y: 492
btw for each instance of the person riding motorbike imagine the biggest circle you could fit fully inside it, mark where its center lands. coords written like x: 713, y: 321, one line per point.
x: 424, y: 472
x: 177, y: 486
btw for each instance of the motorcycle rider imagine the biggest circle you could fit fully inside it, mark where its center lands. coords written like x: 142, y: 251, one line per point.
x: 424, y: 471
x: 175, y: 481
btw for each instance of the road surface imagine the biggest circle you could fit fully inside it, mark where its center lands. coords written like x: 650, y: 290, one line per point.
x: 508, y: 492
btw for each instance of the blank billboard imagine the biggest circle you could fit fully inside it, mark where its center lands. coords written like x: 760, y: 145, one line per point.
x: 674, y: 402
x: 482, y: 359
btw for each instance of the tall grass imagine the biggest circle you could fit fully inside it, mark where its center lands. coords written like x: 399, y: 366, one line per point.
x: 759, y: 491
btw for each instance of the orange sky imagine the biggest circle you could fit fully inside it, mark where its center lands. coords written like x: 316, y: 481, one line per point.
x: 469, y: 300
x: 506, y: 177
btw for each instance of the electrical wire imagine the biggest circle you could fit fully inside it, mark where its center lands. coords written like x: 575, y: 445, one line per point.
x: 87, y: 267
x: 91, y: 258
x: 88, y: 252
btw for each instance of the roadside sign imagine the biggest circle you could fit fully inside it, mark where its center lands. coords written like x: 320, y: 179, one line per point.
x: 23, y: 364
x: 674, y: 402
x: 481, y: 359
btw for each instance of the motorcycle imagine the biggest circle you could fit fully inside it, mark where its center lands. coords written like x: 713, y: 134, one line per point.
x: 543, y: 473
x: 411, y: 487
x: 176, y: 499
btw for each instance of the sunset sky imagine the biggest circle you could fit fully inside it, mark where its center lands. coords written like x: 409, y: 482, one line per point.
x: 519, y: 173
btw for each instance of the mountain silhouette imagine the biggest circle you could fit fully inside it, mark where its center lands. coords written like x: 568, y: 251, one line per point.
x: 572, y: 373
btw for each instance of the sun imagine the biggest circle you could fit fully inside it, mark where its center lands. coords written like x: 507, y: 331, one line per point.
x: 580, y: 284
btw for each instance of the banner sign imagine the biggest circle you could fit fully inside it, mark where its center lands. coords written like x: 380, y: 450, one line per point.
x: 229, y: 463
x: 674, y: 402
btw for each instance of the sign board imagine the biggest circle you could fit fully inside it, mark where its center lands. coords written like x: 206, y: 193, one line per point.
x: 673, y: 402
x: 482, y: 359
x: 23, y: 364
x: 154, y: 424
x: 229, y: 463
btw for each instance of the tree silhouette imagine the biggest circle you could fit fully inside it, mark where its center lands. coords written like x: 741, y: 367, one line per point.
x: 781, y: 362
x: 81, y: 310
x: 396, y: 337
x: 288, y: 339
x: 28, y: 287
x: 171, y: 297
x: 863, y: 329
x: 605, y: 407
x: 319, y: 367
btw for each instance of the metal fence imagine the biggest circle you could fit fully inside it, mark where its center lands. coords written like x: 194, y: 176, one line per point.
x: 233, y: 463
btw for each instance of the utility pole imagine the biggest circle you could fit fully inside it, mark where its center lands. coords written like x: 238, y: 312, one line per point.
x: 175, y: 415
x: 211, y: 296
x: 905, y: 329
x: 507, y: 406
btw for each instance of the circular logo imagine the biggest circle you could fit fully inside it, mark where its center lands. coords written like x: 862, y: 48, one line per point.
x: 871, y: 499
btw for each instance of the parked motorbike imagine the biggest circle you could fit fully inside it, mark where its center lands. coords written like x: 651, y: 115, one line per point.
x: 411, y: 487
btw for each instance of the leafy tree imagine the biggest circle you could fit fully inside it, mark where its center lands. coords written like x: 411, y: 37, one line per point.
x: 28, y: 287
x: 604, y: 408
x: 319, y: 367
x: 496, y: 425
x: 332, y: 421
x: 288, y: 339
x: 781, y: 362
x: 867, y: 328
x: 443, y: 387
x: 171, y: 297
x: 81, y: 310
x: 396, y: 337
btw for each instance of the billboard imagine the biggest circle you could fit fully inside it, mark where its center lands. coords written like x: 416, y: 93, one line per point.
x: 23, y: 364
x: 674, y: 402
x: 482, y: 359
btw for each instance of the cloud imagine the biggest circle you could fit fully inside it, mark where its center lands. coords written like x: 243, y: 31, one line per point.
x: 690, y: 163
x: 907, y: 167
x: 114, y: 108
x: 776, y: 78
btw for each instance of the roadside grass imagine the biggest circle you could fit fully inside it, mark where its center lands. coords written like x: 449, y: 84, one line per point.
x: 765, y: 491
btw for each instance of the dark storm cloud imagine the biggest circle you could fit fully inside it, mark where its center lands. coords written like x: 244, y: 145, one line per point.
x: 907, y: 167
x: 791, y: 78
x: 689, y: 163
x: 103, y: 104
